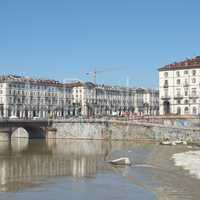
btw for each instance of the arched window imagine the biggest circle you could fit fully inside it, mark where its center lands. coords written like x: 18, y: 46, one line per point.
x: 186, y: 101
x: 178, y: 81
x: 178, y: 111
x: 186, y: 110
x: 194, y: 80
x: 194, y: 110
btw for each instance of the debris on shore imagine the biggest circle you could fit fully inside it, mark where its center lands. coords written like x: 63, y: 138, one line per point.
x: 121, y: 161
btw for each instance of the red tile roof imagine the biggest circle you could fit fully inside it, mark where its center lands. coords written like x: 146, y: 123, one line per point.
x: 186, y: 64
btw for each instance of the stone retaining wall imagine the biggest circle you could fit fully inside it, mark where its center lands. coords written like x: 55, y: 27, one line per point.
x: 122, y: 130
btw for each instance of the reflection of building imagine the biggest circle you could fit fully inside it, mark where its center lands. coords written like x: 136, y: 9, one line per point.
x: 29, y: 163
x: 28, y: 168
x: 179, y: 87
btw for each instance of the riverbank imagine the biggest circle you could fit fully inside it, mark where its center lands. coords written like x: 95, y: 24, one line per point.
x: 166, y: 180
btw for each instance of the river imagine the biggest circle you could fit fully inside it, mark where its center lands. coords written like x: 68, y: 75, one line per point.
x: 79, y: 169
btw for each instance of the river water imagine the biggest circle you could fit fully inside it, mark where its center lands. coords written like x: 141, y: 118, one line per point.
x: 69, y: 169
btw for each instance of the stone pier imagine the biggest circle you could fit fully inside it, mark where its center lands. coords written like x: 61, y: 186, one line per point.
x: 4, y: 134
x: 51, y: 133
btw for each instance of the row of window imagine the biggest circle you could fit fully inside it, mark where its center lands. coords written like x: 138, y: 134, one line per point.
x: 178, y: 82
x: 26, y: 93
x: 185, y: 72
x: 43, y: 88
x: 193, y: 92
x: 186, y: 101
x: 186, y: 110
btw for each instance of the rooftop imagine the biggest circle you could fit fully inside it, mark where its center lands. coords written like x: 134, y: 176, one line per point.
x: 48, y: 82
x: 185, y: 64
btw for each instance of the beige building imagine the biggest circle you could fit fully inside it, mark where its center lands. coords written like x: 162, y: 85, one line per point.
x: 179, y: 85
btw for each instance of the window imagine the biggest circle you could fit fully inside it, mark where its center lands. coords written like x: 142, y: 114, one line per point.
x: 178, y: 92
x: 178, y: 81
x: 193, y: 72
x: 177, y: 73
x: 166, y: 83
x: 166, y: 74
x: 194, y: 80
x: 185, y: 72
x: 166, y: 92
x: 194, y: 91
x: 186, y: 93
x: 186, y: 110
x: 186, y: 101
x: 178, y: 111
x: 194, y: 101
x: 178, y: 101
x: 194, y: 110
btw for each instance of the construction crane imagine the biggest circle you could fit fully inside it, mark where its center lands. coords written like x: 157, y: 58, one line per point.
x: 95, y: 72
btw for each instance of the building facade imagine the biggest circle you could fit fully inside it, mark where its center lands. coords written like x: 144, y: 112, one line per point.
x: 179, y: 86
x: 27, y: 98
x: 100, y: 100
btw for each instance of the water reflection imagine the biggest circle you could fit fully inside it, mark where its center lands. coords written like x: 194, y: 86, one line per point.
x: 19, y: 144
x: 26, y: 162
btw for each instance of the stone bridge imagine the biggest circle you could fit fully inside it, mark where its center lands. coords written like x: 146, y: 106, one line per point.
x: 34, y: 128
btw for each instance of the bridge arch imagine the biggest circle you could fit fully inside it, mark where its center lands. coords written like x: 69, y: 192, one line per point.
x: 31, y: 132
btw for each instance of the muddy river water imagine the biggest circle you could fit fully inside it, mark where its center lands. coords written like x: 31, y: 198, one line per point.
x: 69, y: 169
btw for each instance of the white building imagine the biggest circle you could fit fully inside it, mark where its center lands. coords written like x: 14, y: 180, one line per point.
x: 179, y: 85
x: 27, y: 98
x: 114, y: 100
x: 150, y: 101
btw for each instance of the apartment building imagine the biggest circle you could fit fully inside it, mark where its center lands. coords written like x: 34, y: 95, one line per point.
x: 115, y: 100
x: 25, y: 97
x: 179, y: 86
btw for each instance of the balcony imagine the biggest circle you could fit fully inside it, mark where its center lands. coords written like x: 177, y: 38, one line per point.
x: 165, y: 85
x: 186, y: 85
x: 194, y: 96
x: 165, y: 97
x: 178, y: 96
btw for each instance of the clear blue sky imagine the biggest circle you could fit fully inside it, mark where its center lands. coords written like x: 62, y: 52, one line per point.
x: 64, y: 39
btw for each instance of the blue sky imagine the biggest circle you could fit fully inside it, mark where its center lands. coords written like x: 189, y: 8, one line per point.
x: 64, y: 39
